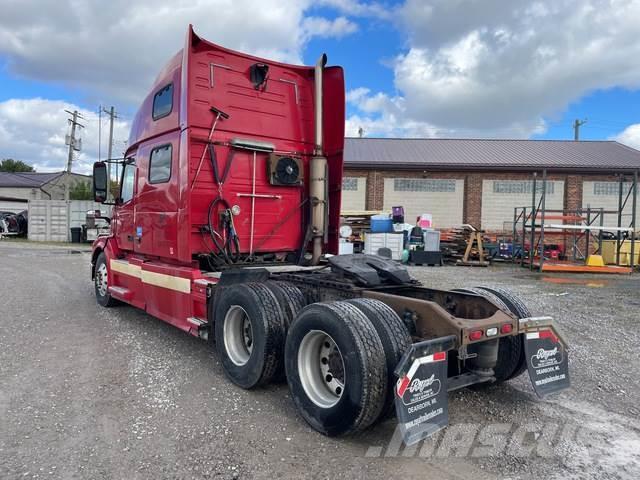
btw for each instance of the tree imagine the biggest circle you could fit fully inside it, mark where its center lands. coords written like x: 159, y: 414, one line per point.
x: 81, y: 191
x: 11, y: 165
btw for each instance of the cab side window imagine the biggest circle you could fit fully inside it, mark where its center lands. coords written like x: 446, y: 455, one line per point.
x: 160, y: 164
x: 163, y: 102
x: 128, y: 182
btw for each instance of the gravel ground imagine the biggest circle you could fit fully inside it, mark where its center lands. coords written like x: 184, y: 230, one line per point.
x: 94, y: 393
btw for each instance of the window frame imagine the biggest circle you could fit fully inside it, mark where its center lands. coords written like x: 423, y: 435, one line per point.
x: 347, y: 188
x: 170, y: 145
x: 429, y: 185
x: 153, y: 105
x: 133, y: 165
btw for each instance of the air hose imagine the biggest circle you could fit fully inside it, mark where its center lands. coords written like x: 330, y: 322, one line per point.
x: 228, y: 245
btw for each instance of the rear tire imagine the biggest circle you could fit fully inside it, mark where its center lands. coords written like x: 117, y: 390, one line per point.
x: 515, y: 346
x: 249, y: 333
x: 336, y: 368
x: 511, y: 359
x: 395, y: 339
x: 290, y: 299
x: 101, y: 284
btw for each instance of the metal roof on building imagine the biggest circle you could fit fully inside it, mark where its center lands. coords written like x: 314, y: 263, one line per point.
x: 26, y: 179
x: 489, y: 154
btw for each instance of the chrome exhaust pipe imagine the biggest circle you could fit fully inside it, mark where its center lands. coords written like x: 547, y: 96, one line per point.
x: 318, y: 169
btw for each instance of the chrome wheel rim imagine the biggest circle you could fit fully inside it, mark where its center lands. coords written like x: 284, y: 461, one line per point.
x: 238, y: 335
x: 101, y: 279
x: 321, y: 369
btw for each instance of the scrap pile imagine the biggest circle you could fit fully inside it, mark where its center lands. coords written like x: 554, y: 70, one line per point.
x: 464, y: 245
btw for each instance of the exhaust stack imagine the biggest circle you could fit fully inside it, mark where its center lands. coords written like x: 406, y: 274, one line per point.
x: 318, y: 182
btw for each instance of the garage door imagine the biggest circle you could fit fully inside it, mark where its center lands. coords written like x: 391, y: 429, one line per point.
x: 354, y: 191
x: 500, y: 197
x: 605, y: 195
x: 442, y: 198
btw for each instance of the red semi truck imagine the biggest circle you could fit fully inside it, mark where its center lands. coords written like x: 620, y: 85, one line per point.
x: 225, y: 224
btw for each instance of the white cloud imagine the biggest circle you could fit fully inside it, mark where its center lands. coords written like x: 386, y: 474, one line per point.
x: 34, y: 131
x: 324, y: 28
x: 630, y: 136
x: 490, y: 68
x: 113, y: 50
x: 361, y: 9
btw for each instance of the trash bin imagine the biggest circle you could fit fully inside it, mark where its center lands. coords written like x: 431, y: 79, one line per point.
x: 76, y: 234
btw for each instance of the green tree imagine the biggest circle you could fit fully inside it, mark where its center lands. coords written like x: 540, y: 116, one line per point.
x: 11, y: 165
x: 81, y: 191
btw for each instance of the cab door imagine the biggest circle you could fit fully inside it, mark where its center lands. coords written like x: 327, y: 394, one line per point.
x: 125, y: 229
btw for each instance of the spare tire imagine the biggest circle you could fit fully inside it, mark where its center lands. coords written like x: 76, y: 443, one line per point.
x: 336, y: 368
x: 249, y: 333
x: 395, y: 339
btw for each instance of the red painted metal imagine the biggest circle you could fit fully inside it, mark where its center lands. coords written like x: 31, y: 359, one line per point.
x: 160, y: 229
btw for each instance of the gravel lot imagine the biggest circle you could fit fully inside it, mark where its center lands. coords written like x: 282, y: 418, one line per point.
x: 91, y: 393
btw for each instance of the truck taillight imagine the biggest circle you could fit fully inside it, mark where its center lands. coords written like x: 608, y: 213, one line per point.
x: 492, y: 332
x: 475, y: 335
x: 506, y: 328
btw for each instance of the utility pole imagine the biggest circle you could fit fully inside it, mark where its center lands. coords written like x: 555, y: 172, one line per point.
x: 576, y: 128
x: 75, y: 145
x: 99, y: 132
x: 112, y: 116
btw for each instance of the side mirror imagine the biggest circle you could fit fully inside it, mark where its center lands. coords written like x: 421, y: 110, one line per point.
x: 100, y: 182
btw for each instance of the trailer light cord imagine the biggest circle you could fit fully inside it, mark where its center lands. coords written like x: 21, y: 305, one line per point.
x: 228, y: 245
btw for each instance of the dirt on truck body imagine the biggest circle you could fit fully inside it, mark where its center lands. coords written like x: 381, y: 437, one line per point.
x: 226, y: 226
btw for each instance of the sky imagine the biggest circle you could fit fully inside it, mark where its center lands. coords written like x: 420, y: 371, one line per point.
x: 413, y: 68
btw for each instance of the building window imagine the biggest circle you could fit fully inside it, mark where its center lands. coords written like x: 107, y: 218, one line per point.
x: 163, y: 102
x: 514, y: 187
x: 423, y: 185
x: 610, y: 188
x: 160, y: 164
x: 350, y: 184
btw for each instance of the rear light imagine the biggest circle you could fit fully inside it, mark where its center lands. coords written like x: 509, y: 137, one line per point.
x: 506, y: 328
x: 492, y: 332
x: 475, y: 335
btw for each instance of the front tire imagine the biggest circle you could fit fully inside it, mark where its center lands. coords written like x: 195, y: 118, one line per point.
x: 336, y: 368
x: 101, y: 283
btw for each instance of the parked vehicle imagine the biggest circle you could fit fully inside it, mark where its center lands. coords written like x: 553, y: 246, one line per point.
x: 14, y: 223
x: 228, y: 208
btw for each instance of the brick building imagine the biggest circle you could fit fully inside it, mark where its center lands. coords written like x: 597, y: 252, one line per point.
x: 481, y: 181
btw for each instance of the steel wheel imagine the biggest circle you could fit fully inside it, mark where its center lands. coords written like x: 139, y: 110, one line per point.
x: 238, y: 335
x: 321, y: 368
x: 101, y: 279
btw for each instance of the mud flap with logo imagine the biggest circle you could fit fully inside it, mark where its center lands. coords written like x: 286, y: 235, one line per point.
x: 547, y: 360
x: 421, y: 391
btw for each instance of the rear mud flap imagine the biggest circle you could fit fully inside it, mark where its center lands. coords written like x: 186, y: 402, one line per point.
x: 421, y: 391
x: 546, y: 355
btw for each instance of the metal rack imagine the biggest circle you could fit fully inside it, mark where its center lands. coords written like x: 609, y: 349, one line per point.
x: 578, y: 227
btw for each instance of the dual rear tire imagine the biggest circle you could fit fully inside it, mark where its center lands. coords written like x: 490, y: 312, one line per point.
x: 338, y: 356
